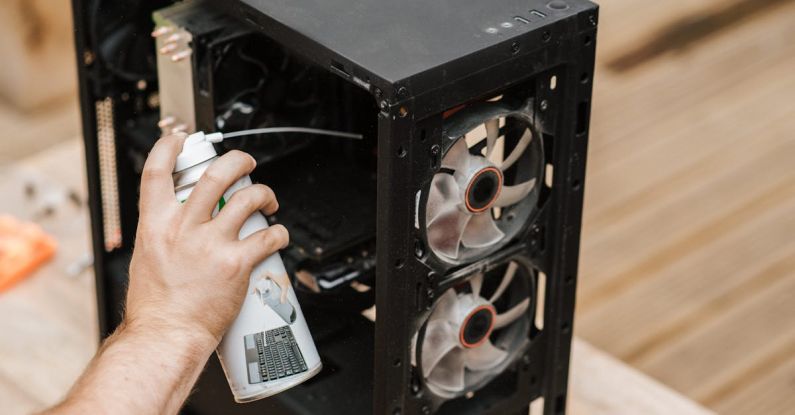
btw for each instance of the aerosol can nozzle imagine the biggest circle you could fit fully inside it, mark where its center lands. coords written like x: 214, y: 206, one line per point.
x: 197, y: 149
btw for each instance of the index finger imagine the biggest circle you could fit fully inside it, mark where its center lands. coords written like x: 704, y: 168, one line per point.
x: 157, y: 184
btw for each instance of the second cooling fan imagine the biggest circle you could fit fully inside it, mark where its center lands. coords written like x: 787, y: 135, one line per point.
x: 487, y: 187
x: 476, y: 329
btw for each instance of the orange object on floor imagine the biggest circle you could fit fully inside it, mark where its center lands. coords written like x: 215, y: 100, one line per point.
x: 24, y: 246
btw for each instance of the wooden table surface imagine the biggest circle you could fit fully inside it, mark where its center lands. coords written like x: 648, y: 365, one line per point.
x: 687, y: 269
x: 48, y: 322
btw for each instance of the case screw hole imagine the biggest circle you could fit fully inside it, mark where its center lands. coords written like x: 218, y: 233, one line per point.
x: 515, y: 48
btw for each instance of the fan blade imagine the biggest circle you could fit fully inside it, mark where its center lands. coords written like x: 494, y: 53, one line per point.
x: 440, y: 338
x: 484, y: 357
x: 506, y: 281
x: 511, y: 315
x: 512, y: 194
x: 449, y: 373
x: 446, y: 229
x: 517, y: 152
x: 443, y: 190
x: 476, y: 283
x: 446, y: 307
x: 481, y: 231
x: 492, y: 134
x: 457, y: 157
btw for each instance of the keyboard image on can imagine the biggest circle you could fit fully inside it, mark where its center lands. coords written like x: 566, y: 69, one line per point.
x: 272, y: 355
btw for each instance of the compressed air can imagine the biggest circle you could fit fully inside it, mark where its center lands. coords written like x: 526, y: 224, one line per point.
x: 268, y: 348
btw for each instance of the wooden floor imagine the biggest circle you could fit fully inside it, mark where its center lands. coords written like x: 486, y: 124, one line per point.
x: 688, y: 253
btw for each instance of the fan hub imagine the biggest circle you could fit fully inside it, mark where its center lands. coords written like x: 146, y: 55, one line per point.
x: 483, y: 189
x: 477, y: 326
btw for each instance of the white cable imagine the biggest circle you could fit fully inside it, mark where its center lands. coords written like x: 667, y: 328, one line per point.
x: 218, y: 137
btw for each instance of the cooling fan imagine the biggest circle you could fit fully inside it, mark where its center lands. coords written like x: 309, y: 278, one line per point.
x: 476, y: 329
x: 481, y: 198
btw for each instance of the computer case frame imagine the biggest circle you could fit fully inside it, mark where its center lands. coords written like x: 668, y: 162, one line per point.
x: 410, y: 146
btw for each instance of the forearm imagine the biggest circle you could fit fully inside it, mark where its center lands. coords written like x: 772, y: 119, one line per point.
x: 141, y: 369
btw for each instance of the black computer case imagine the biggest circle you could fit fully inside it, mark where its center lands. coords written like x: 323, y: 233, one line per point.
x: 465, y: 194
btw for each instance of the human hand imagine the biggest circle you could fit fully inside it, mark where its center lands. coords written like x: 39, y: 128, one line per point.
x: 189, y: 271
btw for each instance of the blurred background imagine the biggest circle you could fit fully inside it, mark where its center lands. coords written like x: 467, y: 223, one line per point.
x: 688, y: 252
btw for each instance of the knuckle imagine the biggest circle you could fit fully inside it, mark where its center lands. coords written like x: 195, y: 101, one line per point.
x: 265, y: 193
x: 230, y: 264
x: 244, y: 199
x: 213, y: 176
x: 153, y: 173
x: 278, y: 237
x: 241, y: 158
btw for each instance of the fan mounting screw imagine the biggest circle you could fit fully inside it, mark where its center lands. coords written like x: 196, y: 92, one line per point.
x: 402, y: 92
x: 418, y: 251
x: 430, y: 294
x: 435, y: 150
x: 426, y: 409
x: 544, y: 105
x: 415, y: 386
x: 88, y: 57
x: 515, y: 48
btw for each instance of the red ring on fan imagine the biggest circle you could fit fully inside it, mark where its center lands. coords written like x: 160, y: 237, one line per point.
x: 494, y: 198
x: 485, y: 337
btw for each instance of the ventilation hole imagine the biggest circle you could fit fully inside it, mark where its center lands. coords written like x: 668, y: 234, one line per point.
x: 422, y: 136
x: 587, y: 40
x: 538, y: 13
x: 549, y: 175
x: 575, y: 184
x: 582, y: 117
x: 570, y: 279
x: 521, y: 19
x: 401, y: 152
x: 420, y: 295
x: 339, y: 69
x: 540, y: 299
x: 537, y: 407
x: 400, y: 264
x: 553, y: 83
x: 585, y: 77
x: 397, y: 363
x: 565, y: 328
x: 560, y: 404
